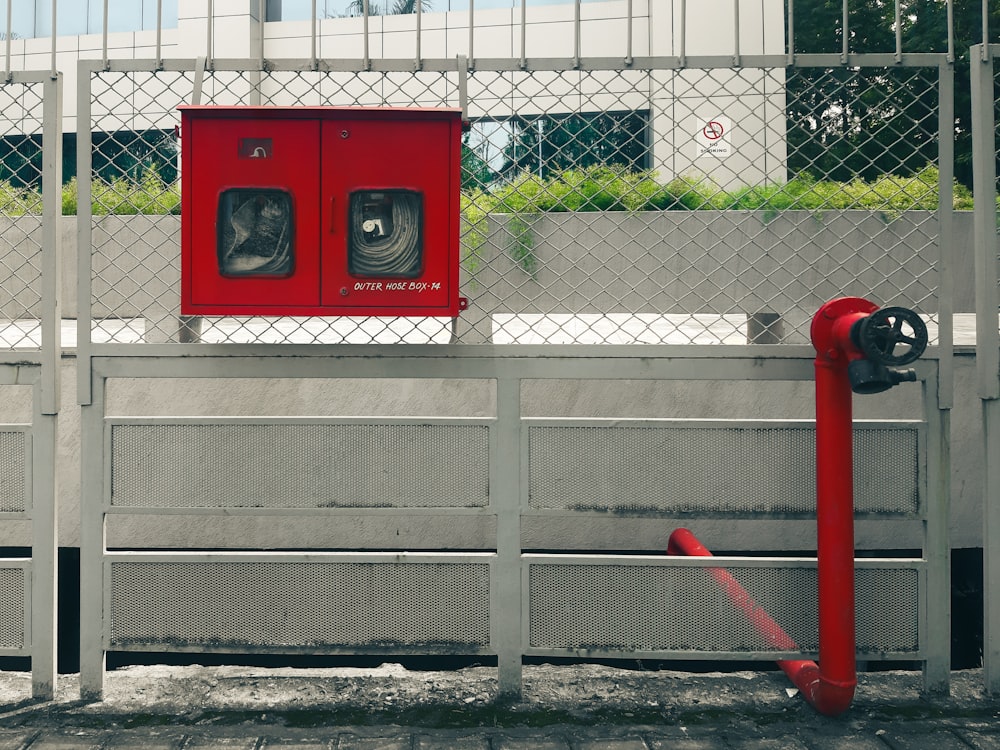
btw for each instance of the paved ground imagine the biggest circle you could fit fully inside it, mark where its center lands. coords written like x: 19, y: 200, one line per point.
x: 579, y: 707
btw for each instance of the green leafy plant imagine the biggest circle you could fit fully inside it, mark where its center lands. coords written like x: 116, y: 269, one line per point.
x: 19, y: 201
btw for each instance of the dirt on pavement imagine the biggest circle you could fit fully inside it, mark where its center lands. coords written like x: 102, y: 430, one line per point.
x: 575, y: 694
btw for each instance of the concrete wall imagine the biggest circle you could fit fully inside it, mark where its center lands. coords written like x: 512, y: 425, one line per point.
x: 723, y: 250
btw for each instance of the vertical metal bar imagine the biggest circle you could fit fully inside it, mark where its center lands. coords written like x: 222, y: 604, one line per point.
x: 44, y: 549
x: 946, y: 233
x: 462, y: 63
x: 682, y: 56
x: 987, y: 347
x: 51, y: 318
x: 506, y: 498
x: 55, y: 22
x: 84, y: 230
x: 256, y: 77
x: 417, y: 60
x: 209, y: 29
x: 92, y: 545
x: 260, y: 46
x: 159, y: 34
x: 364, y: 13
x: 791, y: 32
x: 45, y: 400
x: 951, y: 30
x: 199, y: 79
x: 576, y: 32
x: 104, y: 35
x: 524, y: 34
x: 628, y: 33
x: 472, y: 32
x: 10, y: 5
x: 984, y: 50
x: 899, y: 32
x: 313, y: 56
x: 736, y: 33
x: 937, y: 666
x: 984, y: 182
x: 938, y: 397
x: 991, y: 545
x: 845, y: 32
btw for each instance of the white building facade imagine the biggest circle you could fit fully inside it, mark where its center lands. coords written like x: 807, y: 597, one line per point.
x: 710, y: 108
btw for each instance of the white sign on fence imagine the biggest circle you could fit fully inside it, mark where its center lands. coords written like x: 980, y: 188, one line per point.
x: 713, y: 137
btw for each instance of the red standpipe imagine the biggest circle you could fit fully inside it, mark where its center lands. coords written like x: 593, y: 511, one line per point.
x: 827, y: 686
x: 835, y: 350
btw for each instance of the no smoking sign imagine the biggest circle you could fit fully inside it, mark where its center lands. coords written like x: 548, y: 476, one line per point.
x: 713, y: 137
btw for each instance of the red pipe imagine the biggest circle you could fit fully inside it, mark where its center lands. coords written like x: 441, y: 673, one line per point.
x: 828, y: 686
x: 803, y: 674
x: 835, y: 349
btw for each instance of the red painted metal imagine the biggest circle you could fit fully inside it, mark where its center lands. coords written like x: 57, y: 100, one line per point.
x: 316, y: 159
x: 828, y: 686
x: 804, y: 674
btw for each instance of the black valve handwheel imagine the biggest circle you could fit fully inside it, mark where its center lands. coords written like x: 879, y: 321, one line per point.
x: 893, y: 336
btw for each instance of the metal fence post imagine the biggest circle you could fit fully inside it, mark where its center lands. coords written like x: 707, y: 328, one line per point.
x: 987, y: 344
x: 505, y: 493
x: 937, y: 551
x: 44, y: 543
x: 44, y: 526
x: 92, y: 540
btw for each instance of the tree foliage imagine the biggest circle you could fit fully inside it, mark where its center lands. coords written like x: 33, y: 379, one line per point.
x: 553, y: 143
x: 397, y: 8
x: 845, y: 123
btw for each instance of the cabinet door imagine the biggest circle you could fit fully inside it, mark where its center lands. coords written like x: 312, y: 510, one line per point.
x: 390, y: 195
x: 252, y: 228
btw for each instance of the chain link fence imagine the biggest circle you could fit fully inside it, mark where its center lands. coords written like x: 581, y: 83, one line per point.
x: 628, y: 206
x: 21, y: 215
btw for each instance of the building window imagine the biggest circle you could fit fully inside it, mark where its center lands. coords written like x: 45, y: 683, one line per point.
x: 33, y: 18
x: 301, y: 10
x: 500, y: 150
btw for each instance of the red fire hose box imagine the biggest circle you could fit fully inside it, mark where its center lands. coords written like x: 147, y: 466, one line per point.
x: 320, y: 211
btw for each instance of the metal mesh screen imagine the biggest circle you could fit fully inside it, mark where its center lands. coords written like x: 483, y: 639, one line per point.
x: 20, y: 215
x: 722, y: 469
x: 13, y: 465
x: 276, y: 465
x: 378, y: 606
x: 12, y: 614
x: 652, y: 608
x: 598, y: 206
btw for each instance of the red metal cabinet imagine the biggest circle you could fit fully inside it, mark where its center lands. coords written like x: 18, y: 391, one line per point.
x: 320, y: 211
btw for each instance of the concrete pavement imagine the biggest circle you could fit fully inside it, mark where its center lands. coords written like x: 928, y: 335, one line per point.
x: 568, y: 707
x: 941, y: 734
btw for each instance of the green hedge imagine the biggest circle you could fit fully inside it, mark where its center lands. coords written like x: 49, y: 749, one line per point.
x: 610, y: 189
x: 592, y: 189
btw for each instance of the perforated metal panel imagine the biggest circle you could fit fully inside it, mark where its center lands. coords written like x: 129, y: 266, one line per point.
x: 653, y: 608
x: 13, y: 458
x: 732, y: 467
x: 300, y: 605
x: 296, y: 465
x: 12, y: 614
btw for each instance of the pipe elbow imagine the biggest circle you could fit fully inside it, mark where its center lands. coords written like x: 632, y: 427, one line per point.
x: 828, y: 696
x: 832, y: 697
